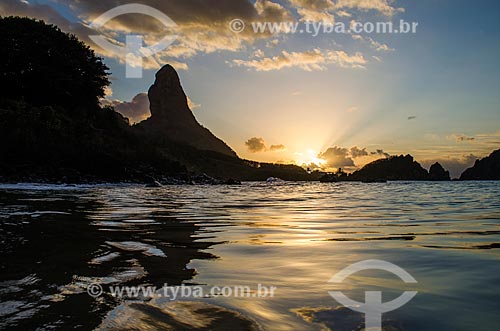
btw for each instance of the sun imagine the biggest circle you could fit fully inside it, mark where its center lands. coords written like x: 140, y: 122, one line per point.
x: 308, y: 158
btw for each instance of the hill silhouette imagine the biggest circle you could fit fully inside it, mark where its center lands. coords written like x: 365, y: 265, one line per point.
x: 485, y: 169
x: 402, y: 167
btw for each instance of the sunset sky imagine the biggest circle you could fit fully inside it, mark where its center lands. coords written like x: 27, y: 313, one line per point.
x: 335, y: 100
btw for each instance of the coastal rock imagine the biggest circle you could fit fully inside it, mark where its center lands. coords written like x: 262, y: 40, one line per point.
x: 232, y: 182
x: 485, y: 169
x: 329, y: 178
x: 393, y: 168
x: 438, y: 173
x: 172, y: 119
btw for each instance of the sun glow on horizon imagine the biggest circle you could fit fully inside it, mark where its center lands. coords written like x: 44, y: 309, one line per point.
x: 309, y: 158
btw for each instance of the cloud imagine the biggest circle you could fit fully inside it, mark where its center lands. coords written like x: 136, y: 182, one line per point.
x: 337, y: 157
x: 256, y: 145
x: 258, y: 53
x: 181, y: 11
x: 192, y: 105
x: 272, y: 43
x: 456, y: 165
x: 325, y: 10
x: 382, y: 6
x: 314, y: 10
x: 136, y: 110
x: 411, y: 118
x: 318, y: 5
x: 276, y: 148
x: 380, y: 152
x: 316, y: 16
x: 46, y: 13
x: 272, y: 11
x: 202, y: 24
x: 379, y: 47
x: 349, y: 159
x: 492, y: 140
x: 203, y: 27
x: 343, y: 13
x: 484, y: 141
x: 357, y: 152
x: 314, y: 60
x: 108, y: 91
x: 460, y: 138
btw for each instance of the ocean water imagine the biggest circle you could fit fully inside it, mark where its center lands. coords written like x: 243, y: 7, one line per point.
x: 58, y: 240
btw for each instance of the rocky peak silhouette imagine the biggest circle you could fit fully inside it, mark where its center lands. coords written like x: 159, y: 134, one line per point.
x: 438, y: 173
x: 171, y: 117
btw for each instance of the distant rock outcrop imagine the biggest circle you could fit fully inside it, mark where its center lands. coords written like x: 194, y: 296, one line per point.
x: 392, y: 168
x: 438, y: 173
x: 172, y: 119
x: 485, y: 169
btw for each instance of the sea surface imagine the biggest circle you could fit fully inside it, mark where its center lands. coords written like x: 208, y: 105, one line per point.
x: 57, y: 241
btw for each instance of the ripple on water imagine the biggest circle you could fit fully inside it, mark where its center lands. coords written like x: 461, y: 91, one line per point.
x: 134, y: 246
x: 80, y: 284
x: 292, y: 235
x: 176, y: 316
x: 339, y: 319
x: 104, y: 258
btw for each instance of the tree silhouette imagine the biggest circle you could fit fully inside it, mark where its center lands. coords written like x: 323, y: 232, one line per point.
x: 44, y: 66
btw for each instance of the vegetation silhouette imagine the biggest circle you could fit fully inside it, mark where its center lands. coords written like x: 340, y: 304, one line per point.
x: 43, y: 66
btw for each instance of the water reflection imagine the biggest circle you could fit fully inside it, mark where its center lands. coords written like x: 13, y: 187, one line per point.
x: 57, y: 242
x: 293, y: 236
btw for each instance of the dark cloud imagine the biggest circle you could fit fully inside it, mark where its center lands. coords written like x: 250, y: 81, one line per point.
x: 136, y: 110
x: 357, y: 152
x: 462, y: 138
x: 202, y: 24
x: 275, y: 148
x: 456, y: 166
x: 337, y: 157
x: 181, y: 11
x: 381, y: 153
x: 256, y: 145
x: 46, y: 13
x: 410, y: 118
